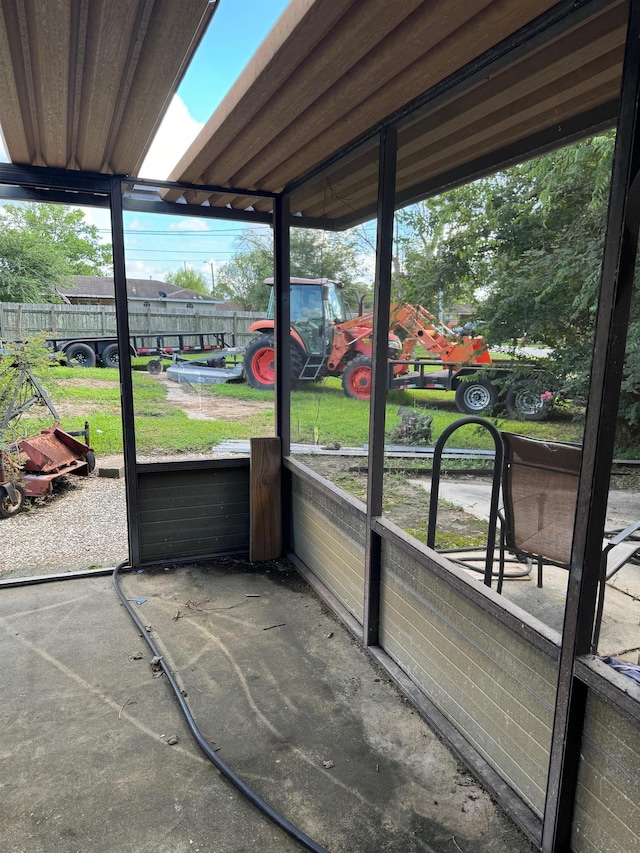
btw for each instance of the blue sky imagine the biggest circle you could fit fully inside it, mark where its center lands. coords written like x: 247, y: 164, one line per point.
x: 155, y: 244
x: 158, y: 244
x: 237, y: 29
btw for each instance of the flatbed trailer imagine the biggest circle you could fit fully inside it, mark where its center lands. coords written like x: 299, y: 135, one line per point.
x: 478, y: 388
x: 103, y: 350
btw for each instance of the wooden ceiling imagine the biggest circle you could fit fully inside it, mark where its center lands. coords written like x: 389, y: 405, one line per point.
x: 85, y: 83
x: 500, y: 80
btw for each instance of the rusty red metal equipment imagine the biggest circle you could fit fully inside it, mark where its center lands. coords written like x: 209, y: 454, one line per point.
x: 49, y: 455
x: 29, y: 466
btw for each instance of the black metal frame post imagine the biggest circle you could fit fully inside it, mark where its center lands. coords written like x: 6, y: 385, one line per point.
x: 379, y: 371
x: 282, y: 265
x: 282, y: 338
x: 126, y: 384
x: 614, y: 305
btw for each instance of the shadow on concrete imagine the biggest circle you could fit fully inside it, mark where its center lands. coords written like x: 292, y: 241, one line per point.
x: 276, y: 684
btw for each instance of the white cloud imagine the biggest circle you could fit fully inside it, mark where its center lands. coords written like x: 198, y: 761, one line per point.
x: 176, y: 132
x: 191, y: 224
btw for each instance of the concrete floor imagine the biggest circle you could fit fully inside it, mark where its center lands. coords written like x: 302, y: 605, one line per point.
x: 289, y: 699
x: 620, y: 628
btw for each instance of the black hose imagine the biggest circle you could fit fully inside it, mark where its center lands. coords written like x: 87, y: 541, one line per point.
x: 226, y: 771
x: 32, y: 580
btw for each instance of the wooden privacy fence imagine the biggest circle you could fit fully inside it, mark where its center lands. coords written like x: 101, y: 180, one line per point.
x: 18, y: 320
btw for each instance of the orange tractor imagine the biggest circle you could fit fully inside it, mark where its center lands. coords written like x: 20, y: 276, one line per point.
x: 325, y: 343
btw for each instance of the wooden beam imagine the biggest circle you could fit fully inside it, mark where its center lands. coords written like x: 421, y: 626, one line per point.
x: 265, y: 533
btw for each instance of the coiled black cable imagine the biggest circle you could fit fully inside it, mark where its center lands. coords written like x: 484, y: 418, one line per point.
x: 226, y: 771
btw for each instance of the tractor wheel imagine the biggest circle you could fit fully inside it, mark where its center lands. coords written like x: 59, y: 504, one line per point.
x: 80, y: 355
x: 110, y: 356
x: 7, y: 507
x: 356, y: 378
x: 525, y: 403
x: 476, y: 397
x: 260, y: 363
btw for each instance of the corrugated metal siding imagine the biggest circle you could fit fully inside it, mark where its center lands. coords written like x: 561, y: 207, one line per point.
x: 329, y: 537
x: 497, y: 689
x: 193, y: 513
x: 607, y: 815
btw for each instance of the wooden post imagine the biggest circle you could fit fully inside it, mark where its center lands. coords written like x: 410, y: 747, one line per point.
x: 265, y: 536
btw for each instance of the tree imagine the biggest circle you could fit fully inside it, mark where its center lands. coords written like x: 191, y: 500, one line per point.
x: 549, y: 220
x: 41, y: 244
x: 527, y: 243
x: 314, y: 254
x: 30, y: 269
x: 242, y: 278
x: 442, y: 246
x: 189, y: 279
x: 66, y: 228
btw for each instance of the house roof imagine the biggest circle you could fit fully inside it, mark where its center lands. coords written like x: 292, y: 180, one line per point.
x: 501, y: 81
x: 85, y: 83
x: 94, y: 286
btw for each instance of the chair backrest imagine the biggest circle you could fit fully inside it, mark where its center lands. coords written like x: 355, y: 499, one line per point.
x: 540, y: 489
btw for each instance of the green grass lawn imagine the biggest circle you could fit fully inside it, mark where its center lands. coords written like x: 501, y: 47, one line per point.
x: 320, y: 414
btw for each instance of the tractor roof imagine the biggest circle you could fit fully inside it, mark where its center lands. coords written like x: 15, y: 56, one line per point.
x: 316, y: 281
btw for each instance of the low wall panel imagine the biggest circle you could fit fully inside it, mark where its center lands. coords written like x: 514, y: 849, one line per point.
x: 194, y: 513
x: 607, y: 813
x: 329, y: 537
x: 497, y: 689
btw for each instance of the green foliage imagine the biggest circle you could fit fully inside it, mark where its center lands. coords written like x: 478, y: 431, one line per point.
x: 549, y: 222
x: 41, y: 244
x: 32, y: 353
x: 442, y: 243
x: 29, y: 269
x: 17, y: 393
x: 314, y: 254
x: 65, y: 228
x: 525, y: 246
x: 242, y: 278
x: 415, y: 427
x: 189, y: 280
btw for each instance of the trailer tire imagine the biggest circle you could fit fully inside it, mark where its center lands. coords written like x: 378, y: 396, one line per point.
x: 7, y: 507
x: 525, y: 403
x: 80, y: 355
x: 111, y: 356
x: 356, y: 378
x: 476, y: 397
x: 259, y: 363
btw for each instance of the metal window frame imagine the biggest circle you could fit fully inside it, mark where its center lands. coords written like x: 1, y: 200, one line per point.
x: 575, y: 677
x: 608, y: 357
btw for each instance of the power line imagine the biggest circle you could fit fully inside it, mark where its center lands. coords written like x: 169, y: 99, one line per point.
x: 174, y: 233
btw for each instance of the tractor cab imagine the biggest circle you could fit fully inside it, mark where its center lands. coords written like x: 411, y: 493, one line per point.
x: 315, y: 306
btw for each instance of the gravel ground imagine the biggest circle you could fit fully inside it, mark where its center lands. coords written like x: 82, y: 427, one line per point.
x: 82, y: 525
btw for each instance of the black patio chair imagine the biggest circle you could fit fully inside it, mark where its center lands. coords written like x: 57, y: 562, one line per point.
x: 539, y: 491
x: 466, y: 557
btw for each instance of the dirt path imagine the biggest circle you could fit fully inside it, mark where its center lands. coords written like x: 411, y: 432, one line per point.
x: 201, y: 406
